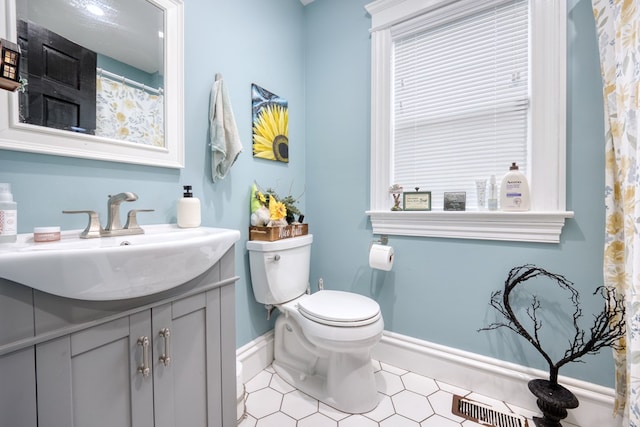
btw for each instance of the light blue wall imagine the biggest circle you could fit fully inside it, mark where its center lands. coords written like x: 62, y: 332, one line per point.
x: 318, y: 58
x: 439, y: 289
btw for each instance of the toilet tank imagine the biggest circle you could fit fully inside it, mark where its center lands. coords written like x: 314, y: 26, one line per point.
x: 280, y: 269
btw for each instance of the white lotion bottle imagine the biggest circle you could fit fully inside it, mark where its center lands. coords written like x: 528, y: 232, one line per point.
x: 188, y: 210
x: 514, y: 191
x: 8, y: 215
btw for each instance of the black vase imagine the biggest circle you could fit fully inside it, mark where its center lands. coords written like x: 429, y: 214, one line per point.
x: 553, y: 401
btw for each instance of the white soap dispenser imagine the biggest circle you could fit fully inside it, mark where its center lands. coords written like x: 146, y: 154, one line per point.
x: 514, y: 191
x: 188, y: 210
x: 8, y: 215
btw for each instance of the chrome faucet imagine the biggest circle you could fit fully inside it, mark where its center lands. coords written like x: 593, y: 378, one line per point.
x: 114, y: 226
x: 113, y: 209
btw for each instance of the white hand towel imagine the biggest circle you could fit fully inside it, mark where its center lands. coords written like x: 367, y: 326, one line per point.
x: 225, y: 142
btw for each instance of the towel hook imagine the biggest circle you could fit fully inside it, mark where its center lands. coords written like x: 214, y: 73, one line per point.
x: 218, y: 76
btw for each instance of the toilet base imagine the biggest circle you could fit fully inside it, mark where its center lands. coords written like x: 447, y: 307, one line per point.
x: 344, y: 381
x: 341, y: 395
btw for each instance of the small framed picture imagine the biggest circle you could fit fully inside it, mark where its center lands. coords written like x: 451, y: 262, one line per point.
x: 455, y: 201
x: 417, y: 201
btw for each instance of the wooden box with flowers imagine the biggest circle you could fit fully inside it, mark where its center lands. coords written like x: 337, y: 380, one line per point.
x: 273, y: 218
x: 270, y: 234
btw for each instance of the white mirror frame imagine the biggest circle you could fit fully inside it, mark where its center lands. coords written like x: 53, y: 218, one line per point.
x: 38, y: 139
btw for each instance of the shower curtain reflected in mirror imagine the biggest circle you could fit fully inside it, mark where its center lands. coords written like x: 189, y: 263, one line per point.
x: 129, y: 113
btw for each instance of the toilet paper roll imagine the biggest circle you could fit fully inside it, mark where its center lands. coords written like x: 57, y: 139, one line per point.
x: 381, y: 257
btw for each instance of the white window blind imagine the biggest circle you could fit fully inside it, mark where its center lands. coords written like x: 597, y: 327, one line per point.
x: 461, y: 101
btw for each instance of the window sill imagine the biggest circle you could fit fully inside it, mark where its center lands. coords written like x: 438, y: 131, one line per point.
x: 544, y: 227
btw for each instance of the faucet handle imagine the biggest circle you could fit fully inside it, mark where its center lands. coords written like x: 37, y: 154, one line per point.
x: 132, y: 221
x: 93, y: 229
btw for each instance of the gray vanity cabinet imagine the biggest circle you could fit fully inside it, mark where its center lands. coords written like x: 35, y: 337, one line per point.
x: 148, y: 369
x: 163, y: 361
x: 90, y: 378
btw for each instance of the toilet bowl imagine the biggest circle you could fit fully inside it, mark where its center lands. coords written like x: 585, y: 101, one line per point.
x: 329, y: 359
x: 323, y: 341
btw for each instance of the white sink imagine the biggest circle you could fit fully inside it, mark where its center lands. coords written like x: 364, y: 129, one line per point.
x: 112, y: 268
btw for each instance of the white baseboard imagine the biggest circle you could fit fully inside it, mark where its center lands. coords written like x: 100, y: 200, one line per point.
x: 487, y: 376
x: 255, y: 355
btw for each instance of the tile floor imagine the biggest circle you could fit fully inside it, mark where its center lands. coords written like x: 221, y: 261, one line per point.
x: 407, y: 400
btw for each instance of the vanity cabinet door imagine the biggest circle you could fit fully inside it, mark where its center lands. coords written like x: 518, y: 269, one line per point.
x: 188, y: 389
x: 18, y: 389
x: 17, y: 368
x: 91, y: 378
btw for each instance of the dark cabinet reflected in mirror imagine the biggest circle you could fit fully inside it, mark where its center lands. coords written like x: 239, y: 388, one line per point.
x: 61, y: 81
x: 94, y: 67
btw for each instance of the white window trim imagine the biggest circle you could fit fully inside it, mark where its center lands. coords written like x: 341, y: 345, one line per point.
x: 548, y: 157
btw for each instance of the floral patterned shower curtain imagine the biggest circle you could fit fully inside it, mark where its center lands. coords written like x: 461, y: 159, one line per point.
x: 129, y: 113
x: 618, y: 29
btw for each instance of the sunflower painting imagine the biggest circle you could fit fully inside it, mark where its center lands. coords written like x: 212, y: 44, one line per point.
x: 270, y: 115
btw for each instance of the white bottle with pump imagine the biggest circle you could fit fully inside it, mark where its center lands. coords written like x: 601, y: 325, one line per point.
x: 8, y: 215
x: 514, y: 191
x: 188, y: 210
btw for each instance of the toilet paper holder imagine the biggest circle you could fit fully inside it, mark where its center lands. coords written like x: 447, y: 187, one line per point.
x: 381, y: 254
x: 383, y: 240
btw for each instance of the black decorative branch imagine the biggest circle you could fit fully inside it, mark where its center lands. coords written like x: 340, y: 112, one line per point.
x: 608, y: 327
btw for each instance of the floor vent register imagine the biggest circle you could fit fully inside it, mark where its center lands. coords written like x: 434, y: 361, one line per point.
x: 484, y: 414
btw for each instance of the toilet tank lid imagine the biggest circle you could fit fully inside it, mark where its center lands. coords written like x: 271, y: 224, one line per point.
x: 279, y: 245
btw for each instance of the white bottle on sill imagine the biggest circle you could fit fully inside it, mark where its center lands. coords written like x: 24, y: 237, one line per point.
x: 492, y: 201
x: 514, y: 191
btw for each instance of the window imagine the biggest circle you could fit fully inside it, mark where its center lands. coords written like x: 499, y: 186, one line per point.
x: 460, y: 89
x: 460, y: 100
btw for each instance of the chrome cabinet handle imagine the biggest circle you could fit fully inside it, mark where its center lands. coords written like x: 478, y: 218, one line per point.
x: 144, y: 368
x: 165, y: 358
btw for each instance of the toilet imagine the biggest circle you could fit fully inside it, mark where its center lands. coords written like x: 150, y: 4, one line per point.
x: 323, y: 340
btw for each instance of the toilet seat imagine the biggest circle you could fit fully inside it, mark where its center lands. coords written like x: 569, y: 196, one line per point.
x: 337, y: 308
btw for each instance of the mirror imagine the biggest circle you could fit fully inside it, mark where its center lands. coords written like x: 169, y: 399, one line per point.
x: 130, y: 53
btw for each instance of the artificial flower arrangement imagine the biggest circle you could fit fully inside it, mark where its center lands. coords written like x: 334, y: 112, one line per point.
x: 268, y: 210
